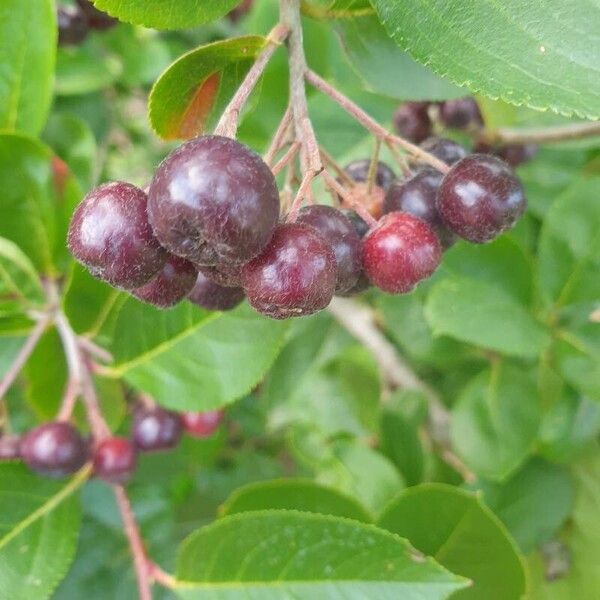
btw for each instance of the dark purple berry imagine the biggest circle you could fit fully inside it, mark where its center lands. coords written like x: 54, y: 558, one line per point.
x: 360, y: 286
x: 96, y: 18
x: 417, y: 196
x: 155, y: 429
x: 10, y: 447
x: 412, y: 121
x: 110, y: 234
x: 461, y: 113
x: 212, y: 296
x: 201, y: 424
x: 339, y: 231
x: 172, y: 284
x: 295, y: 275
x: 516, y: 154
x: 446, y: 150
x: 224, y: 274
x: 241, y: 10
x: 480, y: 198
x: 72, y: 26
x: 399, y: 252
x: 114, y: 460
x: 360, y: 225
x: 54, y: 449
x: 213, y: 200
x: 358, y: 170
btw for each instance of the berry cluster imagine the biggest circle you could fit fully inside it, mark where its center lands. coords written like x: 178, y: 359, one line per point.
x: 75, y: 22
x: 57, y: 449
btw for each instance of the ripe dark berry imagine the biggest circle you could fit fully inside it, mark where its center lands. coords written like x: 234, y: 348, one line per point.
x: 446, y: 150
x: 208, y: 294
x: 201, y: 424
x: 360, y: 225
x: 417, y: 196
x: 242, y: 9
x: 517, y: 154
x: 339, y: 231
x: 358, y: 170
x: 224, y: 274
x: 10, y: 447
x: 294, y: 276
x: 360, y: 286
x: 213, y: 200
x: 54, y: 449
x: 480, y: 198
x: 155, y: 429
x: 172, y: 284
x: 72, y: 26
x: 399, y: 252
x: 96, y: 18
x: 412, y: 121
x: 461, y: 113
x: 114, y: 460
x: 110, y: 234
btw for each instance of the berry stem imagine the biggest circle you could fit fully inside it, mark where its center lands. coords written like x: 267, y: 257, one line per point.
x: 285, y: 159
x: 94, y: 350
x: 371, y: 124
x: 400, y: 159
x: 340, y: 172
x: 300, y: 195
x: 372, y: 173
x: 364, y: 214
x: 228, y: 123
x: 558, y: 133
x: 279, y: 136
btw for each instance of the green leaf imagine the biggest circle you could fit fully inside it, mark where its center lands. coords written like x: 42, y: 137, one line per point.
x: 38, y: 533
x: 384, y: 68
x: 167, y: 14
x: 27, y: 55
x: 190, y: 359
x: 336, y: 9
x: 496, y: 420
x: 569, y: 249
x: 294, y: 494
x: 19, y: 282
x: 281, y: 554
x: 194, y: 90
x: 33, y: 213
x: 529, y: 53
x: 461, y: 533
x: 517, y: 502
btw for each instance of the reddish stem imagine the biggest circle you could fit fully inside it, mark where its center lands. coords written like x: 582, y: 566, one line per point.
x: 286, y: 158
x: 279, y: 136
x: 302, y: 193
x: 364, y: 214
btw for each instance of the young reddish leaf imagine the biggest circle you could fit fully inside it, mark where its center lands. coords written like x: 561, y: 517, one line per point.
x: 192, y: 92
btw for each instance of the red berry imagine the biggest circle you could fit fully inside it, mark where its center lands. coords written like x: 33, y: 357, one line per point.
x: 226, y: 275
x: 202, y: 424
x: 295, y: 275
x: 110, y: 234
x: 212, y: 296
x: 461, y: 113
x: 412, y: 121
x: 480, y: 198
x: 54, y: 449
x: 399, y: 252
x: 114, y: 460
x: 172, y: 284
x: 155, y: 429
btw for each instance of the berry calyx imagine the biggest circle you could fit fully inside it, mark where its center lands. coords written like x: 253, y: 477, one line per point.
x: 417, y: 196
x: 411, y: 121
x: 110, y: 235
x: 72, y: 26
x: 339, y: 231
x: 172, y: 284
x: 213, y: 200
x: 446, y: 150
x: 358, y: 170
x: 201, y: 424
x: 54, y: 449
x: 480, y: 198
x: 294, y: 276
x: 155, y: 429
x: 114, y: 460
x: 399, y: 252
x: 208, y: 294
x: 461, y: 113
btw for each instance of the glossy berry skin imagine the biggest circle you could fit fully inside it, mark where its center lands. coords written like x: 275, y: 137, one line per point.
x: 172, y: 284
x: 461, y: 113
x: 208, y: 294
x: 339, y: 231
x: 360, y: 225
x: 295, y: 275
x: 10, y: 447
x: 201, y: 424
x: 412, y: 122
x: 399, y: 252
x: 417, y: 196
x: 72, y: 26
x: 110, y: 235
x: 213, y: 200
x: 96, y: 18
x: 446, y: 150
x: 155, y: 429
x: 223, y: 274
x: 114, y: 460
x: 480, y: 198
x: 358, y: 170
x: 54, y: 449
